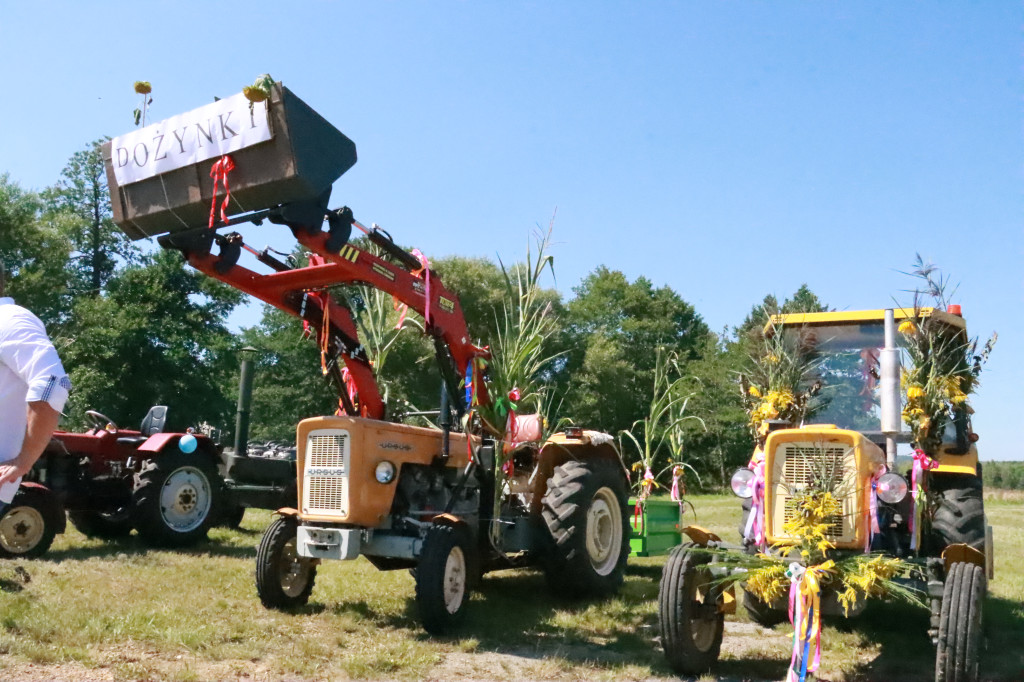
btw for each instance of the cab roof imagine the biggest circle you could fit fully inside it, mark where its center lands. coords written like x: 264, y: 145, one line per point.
x: 857, y: 317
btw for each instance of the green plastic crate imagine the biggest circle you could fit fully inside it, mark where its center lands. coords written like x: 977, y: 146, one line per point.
x: 657, y: 530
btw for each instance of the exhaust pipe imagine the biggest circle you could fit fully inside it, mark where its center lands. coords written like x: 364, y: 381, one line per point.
x: 889, y: 390
x: 244, y: 401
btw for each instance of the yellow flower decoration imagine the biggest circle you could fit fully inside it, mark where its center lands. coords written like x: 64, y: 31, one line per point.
x: 907, y: 327
x: 143, y: 87
x: 915, y: 392
x: 754, y: 391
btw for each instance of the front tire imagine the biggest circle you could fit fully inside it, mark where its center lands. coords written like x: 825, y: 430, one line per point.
x: 587, y: 521
x: 176, y: 499
x: 691, y: 623
x: 958, y: 651
x: 283, y: 578
x: 103, y: 525
x: 29, y: 524
x: 443, y: 577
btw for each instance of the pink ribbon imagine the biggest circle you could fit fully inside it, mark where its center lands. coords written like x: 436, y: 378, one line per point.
x: 873, y: 528
x: 675, y: 494
x: 922, y: 463
x: 755, y: 521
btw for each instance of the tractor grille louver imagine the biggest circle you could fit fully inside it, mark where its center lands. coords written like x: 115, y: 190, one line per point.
x: 803, y: 461
x: 325, y: 486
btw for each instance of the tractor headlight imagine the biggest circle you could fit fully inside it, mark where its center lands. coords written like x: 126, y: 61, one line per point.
x: 385, y: 472
x: 891, y: 488
x: 743, y: 483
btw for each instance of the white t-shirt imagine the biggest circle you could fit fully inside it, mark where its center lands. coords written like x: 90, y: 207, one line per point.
x: 29, y: 371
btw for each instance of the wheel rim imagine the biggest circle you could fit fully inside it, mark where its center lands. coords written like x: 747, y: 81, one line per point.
x: 21, y: 529
x: 604, y: 531
x: 702, y: 628
x: 293, y: 569
x: 454, y: 580
x: 185, y: 499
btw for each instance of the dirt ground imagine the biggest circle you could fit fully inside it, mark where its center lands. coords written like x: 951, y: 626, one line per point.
x: 136, y: 663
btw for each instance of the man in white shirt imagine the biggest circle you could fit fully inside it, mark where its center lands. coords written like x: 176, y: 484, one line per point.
x: 33, y: 390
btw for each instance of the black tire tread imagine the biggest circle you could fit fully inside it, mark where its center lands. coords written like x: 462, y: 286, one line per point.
x: 437, y: 545
x: 93, y: 525
x: 146, y: 499
x: 958, y: 651
x: 762, y: 613
x: 48, y: 506
x: 676, y: 640
x: 564, y: 511
x: 960, y: 515
x: 268, y: 581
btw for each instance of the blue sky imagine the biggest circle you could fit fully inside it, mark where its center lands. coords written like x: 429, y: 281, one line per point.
x: 727, y: 150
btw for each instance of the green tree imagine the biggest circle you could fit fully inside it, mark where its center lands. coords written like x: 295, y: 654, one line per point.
x: 613, y: 330
x: 79, y: 207
x: 157, y: 335
x: 33, y: 254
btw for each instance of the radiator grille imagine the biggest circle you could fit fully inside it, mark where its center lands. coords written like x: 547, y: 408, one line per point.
x: 801, y: 464
x: 325, y: 489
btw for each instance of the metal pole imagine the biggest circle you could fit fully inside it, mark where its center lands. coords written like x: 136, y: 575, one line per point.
x: 889, y: 390
x: 244, y: 401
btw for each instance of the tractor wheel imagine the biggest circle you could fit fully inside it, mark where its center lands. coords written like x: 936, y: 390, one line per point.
x: 232, y: 517
x: 29, y: 524
x: 959, y: 648
x: 443, y: 576
x: 177, y: 497
x: 691, y: 623
x: 587, y: 522
x: 103, y: 525
x: 761, y: 613
x: 960, y: 515
x: 283, y: 578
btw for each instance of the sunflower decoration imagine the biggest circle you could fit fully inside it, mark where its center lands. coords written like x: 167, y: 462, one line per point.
x: 143, y: 88
x: 779, y: 383
x: 943, y: 367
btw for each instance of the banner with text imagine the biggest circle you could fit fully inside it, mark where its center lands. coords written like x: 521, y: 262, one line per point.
x: 204, y: 133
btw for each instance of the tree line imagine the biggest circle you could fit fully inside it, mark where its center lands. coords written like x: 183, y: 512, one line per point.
x: 138, y: 328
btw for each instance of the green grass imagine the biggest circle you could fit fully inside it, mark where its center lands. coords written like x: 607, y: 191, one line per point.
x: 124, y: 612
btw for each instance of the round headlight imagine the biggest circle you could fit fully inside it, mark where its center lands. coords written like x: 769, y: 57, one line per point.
x: 385, y: 472
x: 743, y: 483
x: 891, y: 488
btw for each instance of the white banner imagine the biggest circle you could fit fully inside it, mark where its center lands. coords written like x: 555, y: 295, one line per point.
x: 204, y: 133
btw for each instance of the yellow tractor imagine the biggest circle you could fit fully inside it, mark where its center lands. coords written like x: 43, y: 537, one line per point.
x: 856, y: 430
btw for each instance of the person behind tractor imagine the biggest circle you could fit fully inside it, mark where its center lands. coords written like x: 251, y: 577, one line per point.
x: 33, y: 390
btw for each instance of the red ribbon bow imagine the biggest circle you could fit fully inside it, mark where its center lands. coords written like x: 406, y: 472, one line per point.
x: 219, y: 173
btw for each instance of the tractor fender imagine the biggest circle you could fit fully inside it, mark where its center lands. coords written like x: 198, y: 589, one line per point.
x: 447, y: 519
x: 701, y: 536
x: 159, y: 442
x: 559, y: 449
x: 287, y: 512
x: 60, y: 521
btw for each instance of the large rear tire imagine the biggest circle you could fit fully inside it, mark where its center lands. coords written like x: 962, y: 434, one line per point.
x: 587, y: 521
x: 960, y: 515
x: 103, y: 525
x: 691, y: 623
x: 443, y: 578
x: 177, y: 497
x: 762, y: 613
x: 959, y: 647
x: 283, y: 578
x: 29, y: 524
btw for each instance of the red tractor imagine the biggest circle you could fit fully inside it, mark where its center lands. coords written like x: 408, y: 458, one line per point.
x: 169, y: 487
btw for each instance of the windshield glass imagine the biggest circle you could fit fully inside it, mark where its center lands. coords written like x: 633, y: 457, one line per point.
x: 846, y: 360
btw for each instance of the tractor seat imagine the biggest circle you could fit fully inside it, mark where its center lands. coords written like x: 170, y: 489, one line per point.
x: 152, y: 423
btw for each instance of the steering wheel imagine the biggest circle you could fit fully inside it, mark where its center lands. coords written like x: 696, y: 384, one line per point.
x: 99, y: 421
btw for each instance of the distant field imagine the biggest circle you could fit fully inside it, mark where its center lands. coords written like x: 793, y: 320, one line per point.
x: 108, y: 611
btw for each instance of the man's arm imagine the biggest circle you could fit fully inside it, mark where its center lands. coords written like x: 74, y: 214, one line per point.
x: 42, y: 421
